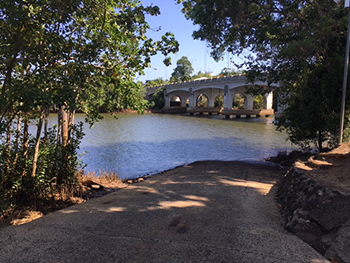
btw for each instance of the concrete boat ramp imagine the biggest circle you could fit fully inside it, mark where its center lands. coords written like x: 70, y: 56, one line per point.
x: 204, y: 212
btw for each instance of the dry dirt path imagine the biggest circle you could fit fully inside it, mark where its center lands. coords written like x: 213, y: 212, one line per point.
x: 204, y: 212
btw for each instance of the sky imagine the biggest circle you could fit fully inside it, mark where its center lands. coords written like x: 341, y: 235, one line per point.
x: 173, y: 20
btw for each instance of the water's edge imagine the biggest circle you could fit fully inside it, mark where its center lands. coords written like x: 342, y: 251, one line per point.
x: 159, y: 173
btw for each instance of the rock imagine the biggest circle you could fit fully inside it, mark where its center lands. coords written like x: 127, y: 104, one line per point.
x: 314, y: 201
x: 332, y: 214
x: 92, y: 185
x: 308, y: 208
x: 339, y: 251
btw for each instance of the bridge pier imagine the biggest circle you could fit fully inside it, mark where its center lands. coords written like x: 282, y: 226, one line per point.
x: 248, y: 113
x: 201, y: 111
x: 249, y: 102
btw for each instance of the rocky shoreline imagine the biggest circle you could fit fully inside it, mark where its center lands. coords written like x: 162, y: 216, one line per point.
x: 315, y: 213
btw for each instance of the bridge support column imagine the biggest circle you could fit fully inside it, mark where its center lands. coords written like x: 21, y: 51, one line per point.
x: 249, y: 102
x: 167, y: 99
x: 268, y: 101
x: 228, y: 98
x: 192, y: 102
x: 211, y: 97
x: 183, y: 102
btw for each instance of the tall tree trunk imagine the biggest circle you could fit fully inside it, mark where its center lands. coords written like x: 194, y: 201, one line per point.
x: 8, y: 145
x: 18, y: 139
x: 320, y: 141
x: 65, y: 126
x: 46, y: 126
x: 71, y: 123
x: 26, y: 136
x: 25, y: 143
x: 59, y: 125
x: 37, y: 144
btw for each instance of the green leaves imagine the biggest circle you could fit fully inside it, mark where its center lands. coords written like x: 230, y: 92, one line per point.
x: 183, y: 70
x: 167, y: 61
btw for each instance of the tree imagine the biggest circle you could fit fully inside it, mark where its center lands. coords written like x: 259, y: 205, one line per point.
x: 258, y: 102
x: 183, y: 70
x: 200, y: 74
x: 156, y: 82
x: 157, y: 100
x: 228, y: 72
x: 300, y: 44
x: 69, y: 55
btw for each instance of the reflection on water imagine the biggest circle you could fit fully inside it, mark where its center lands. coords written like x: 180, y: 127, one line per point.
x: 135, y: 145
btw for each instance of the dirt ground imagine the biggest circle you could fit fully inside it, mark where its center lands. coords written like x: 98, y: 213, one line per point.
x: 91, y: 185
x: 331, y: 169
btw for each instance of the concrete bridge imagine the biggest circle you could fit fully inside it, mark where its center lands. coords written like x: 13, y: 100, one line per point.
x: 204, y: 96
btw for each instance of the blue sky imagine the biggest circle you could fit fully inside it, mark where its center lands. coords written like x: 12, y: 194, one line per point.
x: 172, y: 20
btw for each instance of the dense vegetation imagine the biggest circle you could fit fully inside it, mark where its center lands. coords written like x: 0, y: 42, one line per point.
x: 66, y: 56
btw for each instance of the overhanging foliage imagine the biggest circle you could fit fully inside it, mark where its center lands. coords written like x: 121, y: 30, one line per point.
x: 298, y: 43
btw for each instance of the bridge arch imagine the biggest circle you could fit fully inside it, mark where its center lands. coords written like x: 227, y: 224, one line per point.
x: 238, y: 98
x: 239, y: 101
x: 219, y: 101
x: 263, y: 101
x: 231, y: 92
x: 209, y: 92
x: 175, y: 101
x: 176, y: 98
x: 202, y: 101
x: 226, y: 87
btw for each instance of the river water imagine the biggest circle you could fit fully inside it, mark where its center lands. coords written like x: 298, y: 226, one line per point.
x: 135, y: 145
